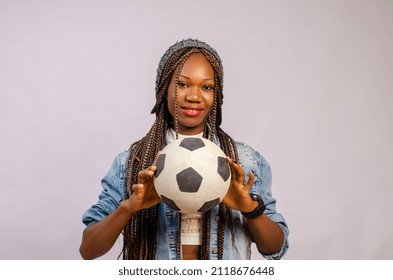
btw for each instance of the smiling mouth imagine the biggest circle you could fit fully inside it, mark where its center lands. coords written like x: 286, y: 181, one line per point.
x: 192, y: 111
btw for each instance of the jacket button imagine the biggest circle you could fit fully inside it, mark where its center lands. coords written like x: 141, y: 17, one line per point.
x: 217, y: 218
x: 215, y: 250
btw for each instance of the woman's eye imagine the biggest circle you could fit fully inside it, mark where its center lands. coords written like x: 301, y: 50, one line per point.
x: 208, y: 87
x: 182, y: 84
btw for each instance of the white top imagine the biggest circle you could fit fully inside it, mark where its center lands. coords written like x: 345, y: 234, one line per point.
x: 191, y: 229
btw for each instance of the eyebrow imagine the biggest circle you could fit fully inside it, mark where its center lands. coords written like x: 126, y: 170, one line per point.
x: 206, y: 79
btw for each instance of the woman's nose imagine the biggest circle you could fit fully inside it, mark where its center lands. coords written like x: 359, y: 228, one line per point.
x: 194, y: 94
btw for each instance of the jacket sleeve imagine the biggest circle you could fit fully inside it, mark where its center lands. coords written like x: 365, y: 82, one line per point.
x: 114, y: 190
x: 252, y: 160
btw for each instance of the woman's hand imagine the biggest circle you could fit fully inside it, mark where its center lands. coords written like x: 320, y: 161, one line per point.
x: 238, y: 196
x: 268, y: 235
x: 144, y: 193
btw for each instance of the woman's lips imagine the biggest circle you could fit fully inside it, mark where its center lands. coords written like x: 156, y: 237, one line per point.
x: 191, y: 112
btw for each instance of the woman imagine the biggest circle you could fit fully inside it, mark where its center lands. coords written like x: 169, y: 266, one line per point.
x: 189, y: 97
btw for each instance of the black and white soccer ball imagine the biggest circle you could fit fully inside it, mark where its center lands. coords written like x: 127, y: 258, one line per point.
x: 192, y: 175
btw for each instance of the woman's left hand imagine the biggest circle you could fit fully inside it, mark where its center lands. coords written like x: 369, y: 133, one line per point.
x: 268, y: 235
x: 238, y: 196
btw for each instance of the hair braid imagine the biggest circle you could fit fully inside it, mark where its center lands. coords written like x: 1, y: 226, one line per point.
x: 206, y: 227
x: 140, y: 233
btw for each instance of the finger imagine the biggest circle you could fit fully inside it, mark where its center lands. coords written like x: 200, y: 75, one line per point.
x: 233, y: 170
x: 240, y: 172
x: 138, y: 189
x: 156, y: 157
x: 152, y: 168
x: 146, y: 174
x: 250, y: 181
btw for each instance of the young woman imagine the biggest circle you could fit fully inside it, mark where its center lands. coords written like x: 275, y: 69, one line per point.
x: 189, y: 98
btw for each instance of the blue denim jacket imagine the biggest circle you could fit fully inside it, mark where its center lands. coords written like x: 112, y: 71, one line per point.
x: 115, y: 188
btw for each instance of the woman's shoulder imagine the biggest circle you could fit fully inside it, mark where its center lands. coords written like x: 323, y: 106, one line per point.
x: 122, y: 157
x: 119, y: 163
x: 250, y: 158
x: 123, y: 154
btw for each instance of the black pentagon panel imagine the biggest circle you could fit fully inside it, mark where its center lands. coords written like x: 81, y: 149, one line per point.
x: 192, y: 143
x: 169, y: 202
x: 189, y: 180
x: 223, y: 168
x: 160, y: 163
x: 209, y: 205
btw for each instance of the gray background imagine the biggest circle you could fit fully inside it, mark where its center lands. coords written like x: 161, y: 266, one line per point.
x: 307, y: 83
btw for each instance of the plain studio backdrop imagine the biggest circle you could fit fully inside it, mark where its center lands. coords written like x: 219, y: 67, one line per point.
x: 307, y: 83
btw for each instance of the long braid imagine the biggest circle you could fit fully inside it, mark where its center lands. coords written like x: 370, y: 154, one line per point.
x: 206, y: 227
x: 139, y: 235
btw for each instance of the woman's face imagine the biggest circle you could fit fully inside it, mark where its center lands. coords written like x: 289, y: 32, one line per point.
x: 195, y: 95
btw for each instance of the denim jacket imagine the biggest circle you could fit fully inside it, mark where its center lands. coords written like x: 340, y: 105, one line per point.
x: 114, y: 191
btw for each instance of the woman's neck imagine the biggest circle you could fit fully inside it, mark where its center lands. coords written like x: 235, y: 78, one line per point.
x: 171, y: 135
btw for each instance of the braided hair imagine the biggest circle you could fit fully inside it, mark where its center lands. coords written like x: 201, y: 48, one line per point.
x: 139, y: 235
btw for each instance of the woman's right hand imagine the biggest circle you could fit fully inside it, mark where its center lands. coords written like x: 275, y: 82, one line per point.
x: 100, y: 237
x: 144, y: 193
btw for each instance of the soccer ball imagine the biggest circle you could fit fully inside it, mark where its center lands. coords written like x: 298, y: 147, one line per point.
x: 192, y: 175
